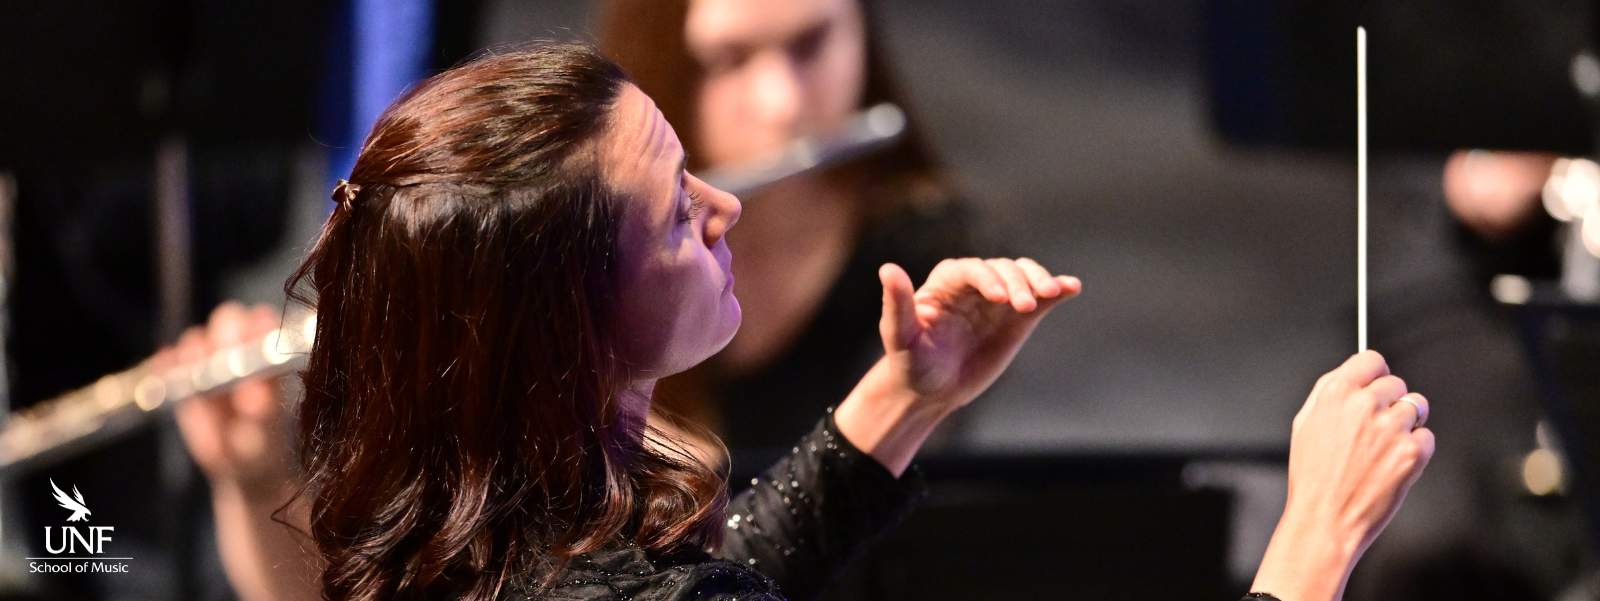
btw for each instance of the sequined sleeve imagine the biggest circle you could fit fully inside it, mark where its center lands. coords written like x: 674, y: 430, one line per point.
x: 806, y: 517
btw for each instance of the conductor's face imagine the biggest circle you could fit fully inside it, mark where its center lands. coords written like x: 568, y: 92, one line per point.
x: 774, y: 70
x: 675, y: 270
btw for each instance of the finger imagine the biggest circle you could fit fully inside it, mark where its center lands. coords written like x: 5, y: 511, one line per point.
x: 950, y: 277
x: 1017, y: 285
x: 191, y: 347
x: 227, y: 325
x: 1413, y: 454
x: 1425, y: 447
x: 1071, y: 287
x: 1363, y: 367
x: 256, y: 399
x: 263, y: 319
x: 984, y: 279
x: 194, y: 350
x: 247, y: 439
x: 164, y: 359
x: 899, y: 325
x: 200, y: 420
x: 1409, y: 410
x: 1043, y: 285
x: 1421, y: 453
x: 1426, y: 409
x: 1383, y: 391
x: 201, y: 429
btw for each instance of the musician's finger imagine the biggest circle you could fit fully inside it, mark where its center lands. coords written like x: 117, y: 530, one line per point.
x: 227, y: 325
x: 202, y: 419
x: 248, y: 438
x: 263, y: 318
x: 201, y: 427
x: 191, y: 347
x: 258, y: 398
x: 164, y: 359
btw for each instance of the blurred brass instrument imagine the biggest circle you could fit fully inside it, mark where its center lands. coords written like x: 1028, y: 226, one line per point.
x: 116, y: 403
x: 119, y: 402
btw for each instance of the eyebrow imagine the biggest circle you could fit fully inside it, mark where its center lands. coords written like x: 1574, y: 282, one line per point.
x: 816, y: 28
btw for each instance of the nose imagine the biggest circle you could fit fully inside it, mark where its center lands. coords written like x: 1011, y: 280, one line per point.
x: 723, y: 210
x: 776, y: 90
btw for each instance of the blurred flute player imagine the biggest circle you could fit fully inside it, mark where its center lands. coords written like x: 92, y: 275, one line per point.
x: 520, y: 255
x: 741, y: 79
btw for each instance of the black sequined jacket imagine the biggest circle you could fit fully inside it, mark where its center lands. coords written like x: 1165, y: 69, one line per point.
x: 786, y: 537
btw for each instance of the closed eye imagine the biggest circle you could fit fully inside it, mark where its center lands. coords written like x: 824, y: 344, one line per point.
x: 697, y: 205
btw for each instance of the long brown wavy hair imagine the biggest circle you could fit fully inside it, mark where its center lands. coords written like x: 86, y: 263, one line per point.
x: 461, y: 430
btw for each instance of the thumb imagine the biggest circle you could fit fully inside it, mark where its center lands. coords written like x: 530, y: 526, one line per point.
x: 899, y: 325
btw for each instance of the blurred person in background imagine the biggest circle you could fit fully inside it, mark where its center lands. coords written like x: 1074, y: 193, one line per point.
x: 1496, y: 194
x: 741, y: 79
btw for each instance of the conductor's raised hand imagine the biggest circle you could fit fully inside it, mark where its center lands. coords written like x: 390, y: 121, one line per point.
x: 943, y: 344
x: 952, y: 337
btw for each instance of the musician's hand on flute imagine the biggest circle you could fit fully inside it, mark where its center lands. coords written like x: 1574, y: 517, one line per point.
x: 944, y: 344
x: 1357, y: 447
x: 237, y: 435
x: 238, y: 438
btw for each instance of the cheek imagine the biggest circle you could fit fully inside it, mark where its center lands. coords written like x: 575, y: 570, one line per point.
x: 674, y: 312
x: 649, y: 319
x: 707, y: 313
x: 837, y: 80
x: 644, y: 326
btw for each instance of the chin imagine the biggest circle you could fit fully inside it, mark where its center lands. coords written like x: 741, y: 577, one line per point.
x: 728, y: 320
x: 732, y: 318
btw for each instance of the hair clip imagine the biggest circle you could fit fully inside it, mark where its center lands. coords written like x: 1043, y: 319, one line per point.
x: 345, y: 193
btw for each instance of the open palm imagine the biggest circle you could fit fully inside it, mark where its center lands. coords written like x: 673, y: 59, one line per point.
x: 953, y: 337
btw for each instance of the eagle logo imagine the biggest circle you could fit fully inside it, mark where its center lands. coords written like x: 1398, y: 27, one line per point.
x: 75, y: 503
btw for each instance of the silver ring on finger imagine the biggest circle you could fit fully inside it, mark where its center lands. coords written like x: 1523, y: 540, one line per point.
x: 1422, y: 414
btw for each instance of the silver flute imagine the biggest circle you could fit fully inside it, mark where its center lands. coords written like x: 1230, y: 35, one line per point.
x: 119, y: 402
x: 88, y: 417
x: 868, y: 131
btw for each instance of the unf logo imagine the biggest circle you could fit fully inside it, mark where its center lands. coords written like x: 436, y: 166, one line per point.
x: 75, y: 503
x: 73, y: 539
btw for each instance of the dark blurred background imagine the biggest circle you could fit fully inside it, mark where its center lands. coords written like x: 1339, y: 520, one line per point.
x: 1193, y: 162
